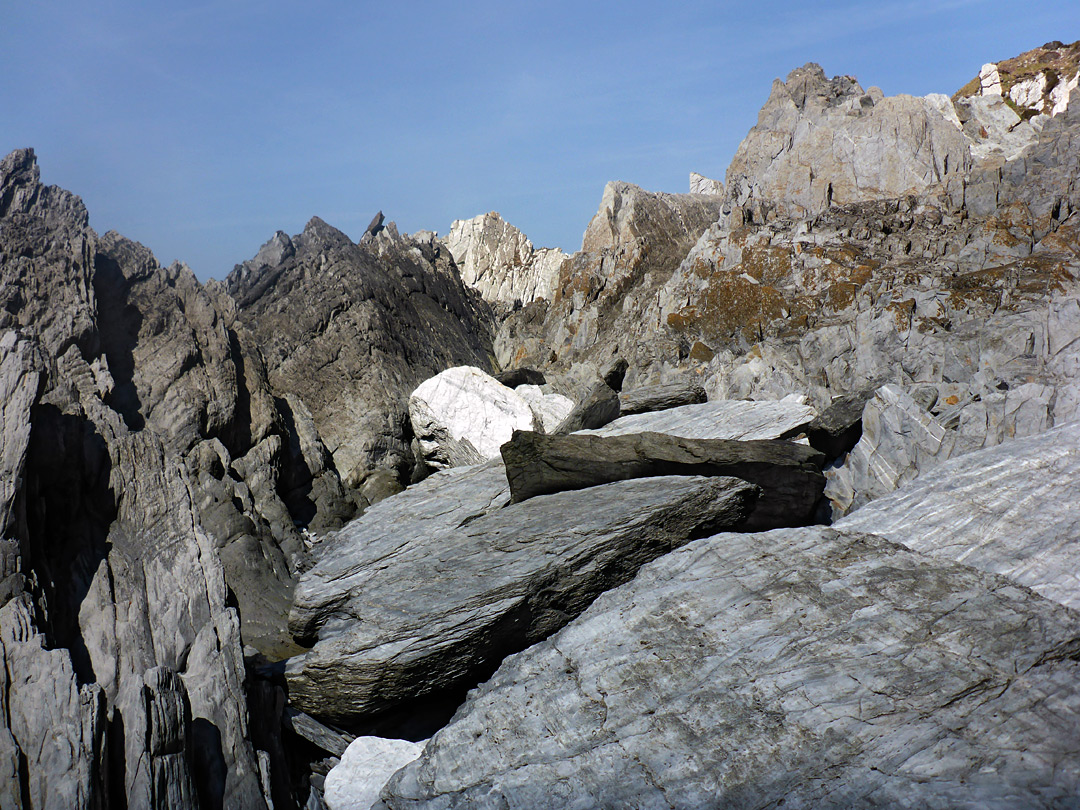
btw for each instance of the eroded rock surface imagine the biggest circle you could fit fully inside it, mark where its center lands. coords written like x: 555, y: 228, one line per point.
x: 750, y: 670
x: 1007, y: 509
x: 720, y: 419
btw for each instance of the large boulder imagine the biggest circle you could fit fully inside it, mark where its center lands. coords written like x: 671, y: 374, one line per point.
x: 799, y: 667
x: 463, y: 415
x: 427, y: 591
x: 788, y: 474
x: 1007, y: 509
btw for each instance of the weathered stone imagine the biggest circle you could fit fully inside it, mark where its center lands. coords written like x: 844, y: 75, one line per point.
x: 1007, y: 510
x: 500, y: 262
x: 470, y: 583
x: 838, y: 428
x: 550, y: 409
x: 821, y: 142
x: 330, y: 740
x: 660, y: 397
x: 520, y: 376
x: 351, y: 329
x: 699, y: 184
x: 464, y: 407
x: 367, y: 764
x: 807, y: 667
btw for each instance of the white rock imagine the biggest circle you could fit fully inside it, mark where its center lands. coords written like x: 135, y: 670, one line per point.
x: 550, y: 409
x: 368, y: 762
x: 1008, y: 510
x: 465, y: 405
x: 1059, y: 96
x: 700, y: 184
x: 990, y: 80
x: 500, y: 262
x: 1029, y: 93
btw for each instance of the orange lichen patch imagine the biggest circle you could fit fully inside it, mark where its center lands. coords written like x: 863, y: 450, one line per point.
x: 902, y: 311
x: 699, y: 351
x: 732, y: 304
x: 520, y: 355
x: 768, y: 264
x: 841, y: 295
x: 953, y: 399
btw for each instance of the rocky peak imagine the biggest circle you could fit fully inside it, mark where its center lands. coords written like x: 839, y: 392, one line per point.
x: 317, y: 234
x: 629, y: 213
x: 500, y: 262
x: 1037, y: 82
x: 822, y: 141
x: 700, y: 184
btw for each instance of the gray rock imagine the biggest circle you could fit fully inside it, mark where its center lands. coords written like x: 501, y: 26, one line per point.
x: 900, y: 441
x: 806, y: 667
x: 521, y: 376
x: 328, y: 739
x: 720, y: 419
x: 660, y: 397
x: 599, y: 407
x: 1006, y: 509
x: 351, y: 329
x: 429, y: 590
x: 838, y: 428
x: 788, y: 474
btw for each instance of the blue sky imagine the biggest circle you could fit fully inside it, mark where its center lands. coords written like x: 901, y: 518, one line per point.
x: 199, y: 129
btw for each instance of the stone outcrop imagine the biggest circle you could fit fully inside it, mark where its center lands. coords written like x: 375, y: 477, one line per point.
x: 1006, y: 509
x: 428, y: 591
x: 500, y: 262
x: 699, y: 184
x: 789, y: 475
x: 807, y: 667
x: 352, y: 328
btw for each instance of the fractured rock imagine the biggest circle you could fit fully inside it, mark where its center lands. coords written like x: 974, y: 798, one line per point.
x: 598, y: 407
x: 427, y: 591
x: 660, y: 397
x: 366, y: 765
x: 720, y: 419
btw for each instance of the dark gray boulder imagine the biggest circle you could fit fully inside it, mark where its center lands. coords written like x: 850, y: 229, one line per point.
x: 428, y: 591
x: 788, y: 474
x: 521, y: 376
x: 838, y: 428
x: 803, y: 668
x: 598, y: 407
x: 660, y: 397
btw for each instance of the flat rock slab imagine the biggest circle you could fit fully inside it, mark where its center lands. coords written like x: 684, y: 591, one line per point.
x: 1010, y: 509
x: 430, y: 589
x: 651, y: 398
x: 806, y: 667
x: 720, y: 419
x: 789, y: 474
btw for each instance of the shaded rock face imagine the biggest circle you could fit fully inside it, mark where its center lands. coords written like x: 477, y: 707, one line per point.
x: 473, y: 579
x: 500, y: 262
x: 351, y: 329
x: 755, y: 670
x: 146, y: 468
